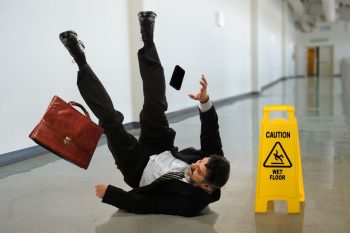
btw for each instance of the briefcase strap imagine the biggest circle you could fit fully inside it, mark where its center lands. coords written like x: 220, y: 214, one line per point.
x: 73, y: 103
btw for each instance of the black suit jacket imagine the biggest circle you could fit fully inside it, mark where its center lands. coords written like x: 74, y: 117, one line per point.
x: 174, y: 197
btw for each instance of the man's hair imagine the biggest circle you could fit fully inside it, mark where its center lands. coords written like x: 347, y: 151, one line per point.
x: 218, y: 171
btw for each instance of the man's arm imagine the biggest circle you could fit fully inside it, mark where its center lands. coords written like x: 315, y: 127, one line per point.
x: 202, y: 95
x: 148, y: 204
x: 210, y: 136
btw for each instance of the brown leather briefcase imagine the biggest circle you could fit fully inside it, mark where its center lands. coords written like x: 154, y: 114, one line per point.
x: 68, y: 133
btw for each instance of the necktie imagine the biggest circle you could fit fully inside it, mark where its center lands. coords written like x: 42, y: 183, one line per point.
x: 171, y: 176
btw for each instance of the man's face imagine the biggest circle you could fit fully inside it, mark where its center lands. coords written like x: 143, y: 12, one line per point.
x: 198, y: 171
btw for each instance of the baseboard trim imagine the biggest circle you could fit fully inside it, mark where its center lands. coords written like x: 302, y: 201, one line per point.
x: 263, y: 88
x: 30, y: 152
x: 19, y: 155
x: 185, y: 113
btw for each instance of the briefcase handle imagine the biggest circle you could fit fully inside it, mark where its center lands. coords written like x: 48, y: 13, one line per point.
x: 73, y: 103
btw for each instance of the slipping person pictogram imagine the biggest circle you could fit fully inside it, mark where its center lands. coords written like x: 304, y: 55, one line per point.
x: 278, y: 157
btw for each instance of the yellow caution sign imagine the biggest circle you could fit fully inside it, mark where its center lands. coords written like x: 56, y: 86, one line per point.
x: 279, y: 175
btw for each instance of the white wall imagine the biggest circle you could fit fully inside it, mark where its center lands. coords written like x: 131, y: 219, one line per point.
x: 187, y: 35
x: 36, y: 66
x: 270, y: 34
x: 338, y: 37
x: 289, y: 44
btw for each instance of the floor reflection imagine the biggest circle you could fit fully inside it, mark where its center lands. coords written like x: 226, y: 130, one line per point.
x: 122, y: 221
x: 275, y: 222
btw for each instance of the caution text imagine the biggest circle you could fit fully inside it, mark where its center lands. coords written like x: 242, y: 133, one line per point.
x: 277, y: 134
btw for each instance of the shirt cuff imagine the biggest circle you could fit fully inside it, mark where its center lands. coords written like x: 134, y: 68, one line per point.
x: 204, y: 107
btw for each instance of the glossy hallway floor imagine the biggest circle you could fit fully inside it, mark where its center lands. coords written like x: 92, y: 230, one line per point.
x: 47, y: 194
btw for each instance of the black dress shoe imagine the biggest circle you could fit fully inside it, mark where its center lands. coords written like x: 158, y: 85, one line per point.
x: 147, y: 19
x: 70, y: 40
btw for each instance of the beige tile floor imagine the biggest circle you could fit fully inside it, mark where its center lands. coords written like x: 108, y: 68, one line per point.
x: 47, y: 194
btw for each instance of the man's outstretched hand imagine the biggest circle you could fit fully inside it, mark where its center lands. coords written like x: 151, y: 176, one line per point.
x: 202, y: 94
x: 101, y: 189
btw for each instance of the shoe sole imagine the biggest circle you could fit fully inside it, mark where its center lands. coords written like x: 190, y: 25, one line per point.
x: 65, y: 35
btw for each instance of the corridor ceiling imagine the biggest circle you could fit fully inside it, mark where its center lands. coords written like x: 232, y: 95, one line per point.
x: 309, y: 13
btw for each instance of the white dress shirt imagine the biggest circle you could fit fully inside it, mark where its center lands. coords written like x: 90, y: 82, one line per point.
x: 165, y: 162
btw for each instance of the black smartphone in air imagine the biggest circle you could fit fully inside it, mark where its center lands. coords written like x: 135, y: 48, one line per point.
x: 177, y: 77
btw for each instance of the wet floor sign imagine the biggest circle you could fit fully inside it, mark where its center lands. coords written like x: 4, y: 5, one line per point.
x: 279, y: 175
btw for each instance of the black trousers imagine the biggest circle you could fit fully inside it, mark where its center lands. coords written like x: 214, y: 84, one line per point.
x: 131, y: 155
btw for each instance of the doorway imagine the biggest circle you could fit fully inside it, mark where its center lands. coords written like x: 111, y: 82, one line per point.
x: 311, y: 62
x: 325, y: 61
x: 320, y: 61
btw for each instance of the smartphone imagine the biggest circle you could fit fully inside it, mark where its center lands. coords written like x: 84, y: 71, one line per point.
x: 177, y: 77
